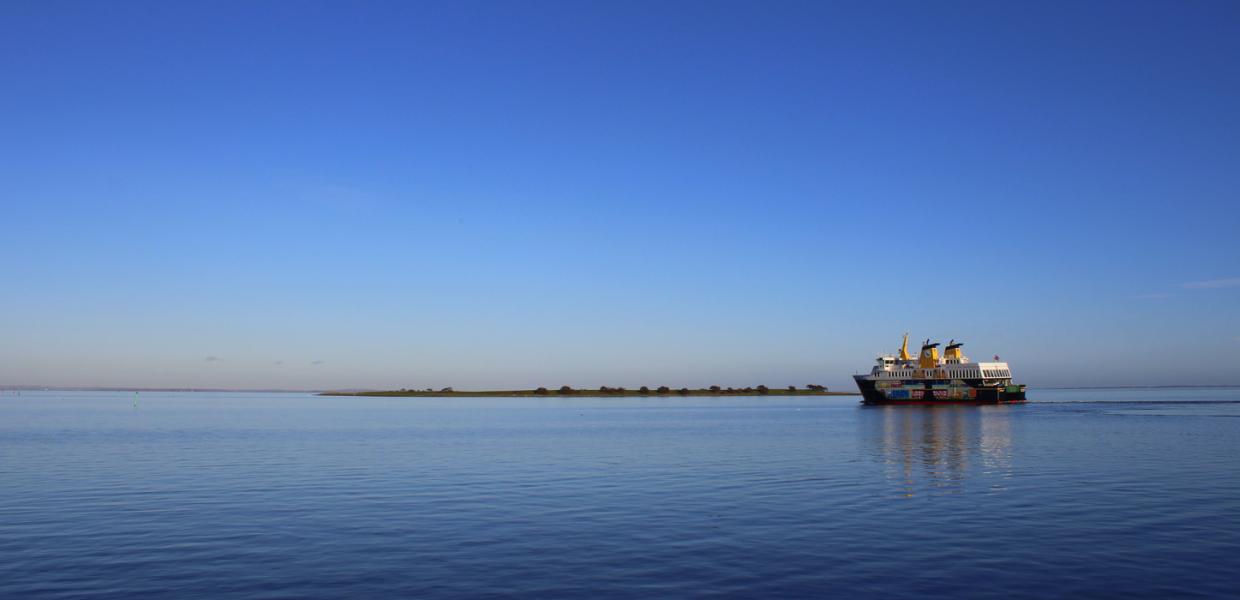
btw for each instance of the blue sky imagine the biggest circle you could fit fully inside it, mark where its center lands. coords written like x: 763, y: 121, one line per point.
x: 494, y: 194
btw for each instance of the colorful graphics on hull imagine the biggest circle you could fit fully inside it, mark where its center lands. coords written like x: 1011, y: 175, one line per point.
x: 942, y: 391
x: 938, y: 392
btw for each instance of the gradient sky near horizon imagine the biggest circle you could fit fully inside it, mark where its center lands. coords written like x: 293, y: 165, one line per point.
x: 510, y: 194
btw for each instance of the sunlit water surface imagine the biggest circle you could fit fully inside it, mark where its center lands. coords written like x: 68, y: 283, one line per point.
x: 1114, y: 493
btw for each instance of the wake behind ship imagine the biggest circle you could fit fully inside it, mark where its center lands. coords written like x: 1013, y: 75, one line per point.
x: 929, y: 379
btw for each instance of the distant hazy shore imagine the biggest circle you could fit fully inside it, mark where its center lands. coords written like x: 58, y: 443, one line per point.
x: 595, y: 393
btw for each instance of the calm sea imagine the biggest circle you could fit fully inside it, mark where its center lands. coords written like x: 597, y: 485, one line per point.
x: 1099, y: 493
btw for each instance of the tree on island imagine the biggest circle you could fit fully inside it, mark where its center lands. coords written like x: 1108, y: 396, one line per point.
x: 792, y: 388
x: 715, y: 389
x: 683, y: 391
x: 663, y: 389
x: 762, y: 390
x: 542, y: 391
x: 566, y: 390
x: 446, y: 390
x: 644, y: 390
x: 816, y: 388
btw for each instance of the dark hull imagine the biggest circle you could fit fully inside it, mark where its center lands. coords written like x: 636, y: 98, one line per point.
x: 934, y: 392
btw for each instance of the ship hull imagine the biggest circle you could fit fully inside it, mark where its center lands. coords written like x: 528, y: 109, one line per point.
x: 936, y: 392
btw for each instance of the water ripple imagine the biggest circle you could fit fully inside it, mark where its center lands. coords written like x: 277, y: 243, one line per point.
x: 287, y: 496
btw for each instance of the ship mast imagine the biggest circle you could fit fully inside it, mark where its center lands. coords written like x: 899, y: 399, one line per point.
x: 904, y: 355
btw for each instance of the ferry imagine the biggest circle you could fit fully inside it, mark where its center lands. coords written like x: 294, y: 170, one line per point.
x: 931, y: 379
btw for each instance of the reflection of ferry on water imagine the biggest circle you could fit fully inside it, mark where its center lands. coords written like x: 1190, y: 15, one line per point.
x: 929, y: 379
x: 941, y: 450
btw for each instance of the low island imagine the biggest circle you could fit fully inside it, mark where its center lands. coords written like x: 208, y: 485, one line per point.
x: 604, y: 391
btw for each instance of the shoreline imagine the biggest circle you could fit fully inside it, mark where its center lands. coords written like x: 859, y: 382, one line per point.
x: 591, y: 393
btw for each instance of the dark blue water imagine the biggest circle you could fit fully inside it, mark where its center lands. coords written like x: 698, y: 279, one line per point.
x: 1082, y: 493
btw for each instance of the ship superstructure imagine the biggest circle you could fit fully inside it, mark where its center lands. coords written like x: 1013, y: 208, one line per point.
x: 933, y: 379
